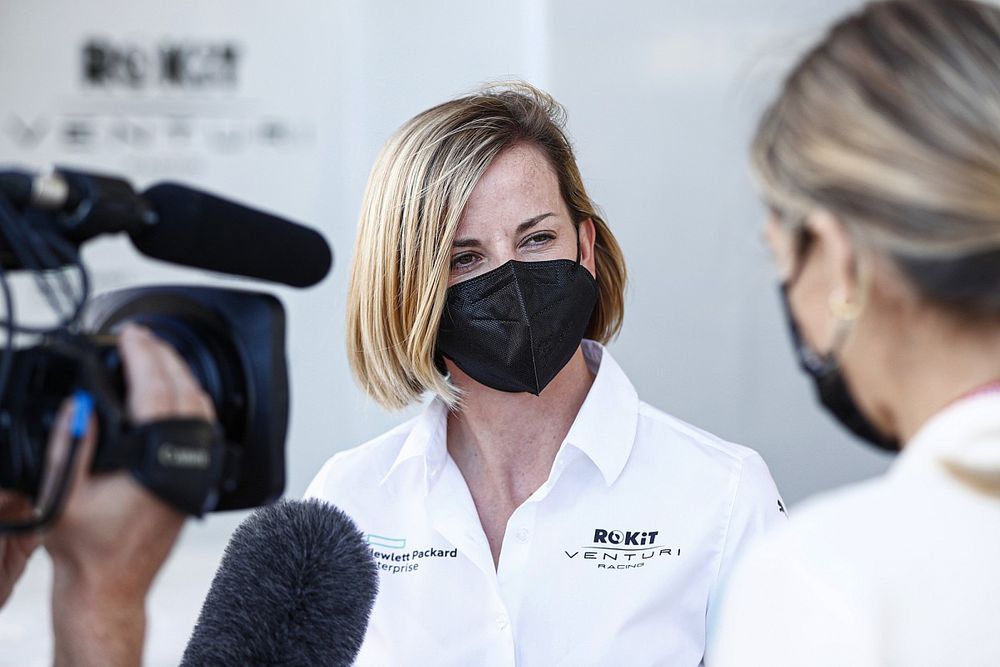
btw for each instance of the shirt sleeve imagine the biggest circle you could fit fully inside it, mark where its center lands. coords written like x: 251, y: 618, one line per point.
x: 757, y: 508
x: 778, y: 612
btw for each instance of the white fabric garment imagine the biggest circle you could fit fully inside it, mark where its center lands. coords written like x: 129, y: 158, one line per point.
x: 616, y: 559
x: 899, y: 571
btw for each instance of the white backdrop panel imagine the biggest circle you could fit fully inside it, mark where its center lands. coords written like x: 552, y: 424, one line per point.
x: 284, y: 106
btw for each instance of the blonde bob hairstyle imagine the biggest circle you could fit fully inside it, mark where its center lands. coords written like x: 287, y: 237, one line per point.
x: 415, y: 196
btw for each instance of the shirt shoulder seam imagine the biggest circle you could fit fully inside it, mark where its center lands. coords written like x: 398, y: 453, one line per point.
x: 729, y: 521
x: 735, y: 451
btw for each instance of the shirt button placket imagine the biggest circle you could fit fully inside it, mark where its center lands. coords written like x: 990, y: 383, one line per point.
x: 512, y: 577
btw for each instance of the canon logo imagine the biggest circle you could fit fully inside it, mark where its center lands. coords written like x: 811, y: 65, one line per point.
x: 175, y: 456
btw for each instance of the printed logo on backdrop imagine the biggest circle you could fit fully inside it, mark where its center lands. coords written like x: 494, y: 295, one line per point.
x: 617, y: 550
x: 170, y: 64
x: 160, y: 104
x: 392, y: 556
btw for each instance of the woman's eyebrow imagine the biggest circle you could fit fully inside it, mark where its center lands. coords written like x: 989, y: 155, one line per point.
x: 521, y: 228
x: 528, y: 224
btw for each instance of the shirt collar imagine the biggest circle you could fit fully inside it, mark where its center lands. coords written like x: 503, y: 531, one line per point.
x: 966, y: 433
x: 427, y: 440
x: 605, y: 426
x: 604, y: 429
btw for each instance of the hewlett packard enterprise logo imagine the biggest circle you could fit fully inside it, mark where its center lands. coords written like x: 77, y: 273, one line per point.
x: 613, y: 549
x: 392, y: 555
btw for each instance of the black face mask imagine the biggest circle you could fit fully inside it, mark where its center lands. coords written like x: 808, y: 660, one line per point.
x: 514, y: 328
x: 831, y: 388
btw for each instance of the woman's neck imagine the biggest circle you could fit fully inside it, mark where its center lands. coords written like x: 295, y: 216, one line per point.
x: 942, y: 365
x: 509, y: 440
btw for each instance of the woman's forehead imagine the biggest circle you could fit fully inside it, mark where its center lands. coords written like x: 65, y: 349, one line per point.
x: 518, y: 185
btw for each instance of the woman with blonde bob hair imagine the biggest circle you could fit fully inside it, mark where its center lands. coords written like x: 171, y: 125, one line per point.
x: 880, y: 161
x: 536, y: 511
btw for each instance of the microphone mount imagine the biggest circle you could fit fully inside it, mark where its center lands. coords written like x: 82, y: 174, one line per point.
x: 169, y: 222
x: 74, y: 205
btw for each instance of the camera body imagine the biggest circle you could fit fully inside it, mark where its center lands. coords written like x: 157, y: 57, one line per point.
x: 232, y: 340
x: 234, y: 343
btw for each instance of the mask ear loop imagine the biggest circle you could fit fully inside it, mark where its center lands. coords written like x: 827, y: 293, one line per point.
x: 579, y: 252
x: 847, y: 314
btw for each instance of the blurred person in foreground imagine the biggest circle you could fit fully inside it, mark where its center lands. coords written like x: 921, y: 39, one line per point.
x: 880, y: 161
x: 113, y: 535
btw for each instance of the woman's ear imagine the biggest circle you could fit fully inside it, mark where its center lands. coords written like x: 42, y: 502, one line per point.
x: 834, y: 251
x: 587, y: 237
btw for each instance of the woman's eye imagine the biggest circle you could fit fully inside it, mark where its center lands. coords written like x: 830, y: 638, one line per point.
x: 463, y: 261
x: 539, y: 239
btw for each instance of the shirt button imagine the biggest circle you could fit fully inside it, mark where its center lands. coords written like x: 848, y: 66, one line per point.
x: 502, y: 622
x: 523, y: 535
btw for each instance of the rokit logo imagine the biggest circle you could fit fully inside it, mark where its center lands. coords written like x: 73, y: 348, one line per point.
x: 628, y: 537
x: 160, y: 104
x: 181, y: 64
x: 623, y: 549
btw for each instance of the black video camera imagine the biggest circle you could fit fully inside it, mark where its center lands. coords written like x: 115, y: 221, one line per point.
x: 232, y: 340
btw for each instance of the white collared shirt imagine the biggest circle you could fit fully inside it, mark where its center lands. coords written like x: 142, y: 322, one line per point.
x: 900, y: 571
x: 616, y: 559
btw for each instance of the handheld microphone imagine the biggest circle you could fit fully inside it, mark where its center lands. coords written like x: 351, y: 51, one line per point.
x: 175, y: 223
x: 296, y: 587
